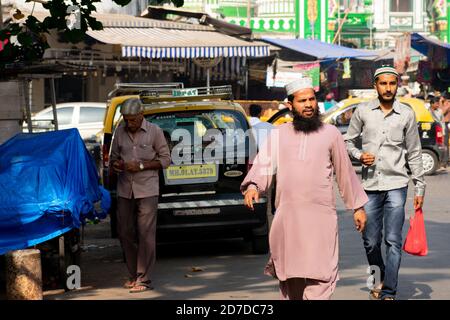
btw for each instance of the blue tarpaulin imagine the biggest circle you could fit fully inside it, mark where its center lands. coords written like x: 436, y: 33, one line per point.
x: 423, y: 44
x: 48, y: 185
x: 318, y: 49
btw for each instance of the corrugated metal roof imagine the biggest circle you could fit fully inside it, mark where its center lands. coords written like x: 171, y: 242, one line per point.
x: 157, y: 37
x: 127, y: 21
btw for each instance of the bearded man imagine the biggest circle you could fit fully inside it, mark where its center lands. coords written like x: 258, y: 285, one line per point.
x: 305, y: 155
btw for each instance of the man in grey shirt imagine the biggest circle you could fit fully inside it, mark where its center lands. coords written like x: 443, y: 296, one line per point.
x: 390, y: 141
x: 139, y: 150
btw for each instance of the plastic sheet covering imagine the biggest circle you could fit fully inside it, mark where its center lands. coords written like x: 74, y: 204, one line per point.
x: 48, y: 185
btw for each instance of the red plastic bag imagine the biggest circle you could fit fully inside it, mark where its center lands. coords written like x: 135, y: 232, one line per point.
x: 416, y: 239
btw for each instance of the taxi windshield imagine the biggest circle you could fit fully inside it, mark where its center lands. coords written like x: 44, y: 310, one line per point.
x: 198, y: 122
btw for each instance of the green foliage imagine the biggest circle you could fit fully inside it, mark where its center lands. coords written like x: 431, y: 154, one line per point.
x: 30, y: 35
x: 178, y: 3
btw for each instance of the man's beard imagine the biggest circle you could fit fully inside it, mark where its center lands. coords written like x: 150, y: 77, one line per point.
x: 391, y: 99
x: 306, y: 125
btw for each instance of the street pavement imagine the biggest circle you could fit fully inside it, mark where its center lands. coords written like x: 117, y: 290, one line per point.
x: 226, y: 269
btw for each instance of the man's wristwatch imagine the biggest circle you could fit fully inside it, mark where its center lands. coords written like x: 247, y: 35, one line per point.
x: 141, y: 166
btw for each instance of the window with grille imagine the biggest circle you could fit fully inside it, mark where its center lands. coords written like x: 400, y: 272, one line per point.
x: 401, y: 6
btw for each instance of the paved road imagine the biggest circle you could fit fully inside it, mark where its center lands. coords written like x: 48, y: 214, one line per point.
x: 230, y: 271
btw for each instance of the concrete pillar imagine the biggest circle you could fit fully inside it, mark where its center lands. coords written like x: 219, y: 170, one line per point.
x: 24, y: 275
x: 11, y: 109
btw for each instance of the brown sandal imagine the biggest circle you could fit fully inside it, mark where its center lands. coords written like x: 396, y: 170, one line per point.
x: 140, y: 288
x: 375, y: 294
x: 129, y: 284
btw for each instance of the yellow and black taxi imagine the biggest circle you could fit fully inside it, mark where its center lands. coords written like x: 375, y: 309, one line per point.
x: 200, y: 193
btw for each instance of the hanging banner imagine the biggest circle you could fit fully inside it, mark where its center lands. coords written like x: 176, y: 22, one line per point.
x: 347, y: 70
x: 438, y: 57
x: 311, y: 70
x: 424, y: 74
x: 402, y: 53
x: 282, y: 78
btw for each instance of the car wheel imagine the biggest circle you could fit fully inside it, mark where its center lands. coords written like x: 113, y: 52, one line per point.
x: 430, y: 162
x: 260, y: 244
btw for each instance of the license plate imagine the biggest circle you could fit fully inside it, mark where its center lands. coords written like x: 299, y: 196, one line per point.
x: 191, y: 172
x: 196, y: 212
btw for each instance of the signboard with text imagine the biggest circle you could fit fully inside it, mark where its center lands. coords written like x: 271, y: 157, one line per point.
x: 311, y: 70
x: 185, y: 92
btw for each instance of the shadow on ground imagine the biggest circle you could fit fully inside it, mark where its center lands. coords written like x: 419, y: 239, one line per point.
x: 223, y: 269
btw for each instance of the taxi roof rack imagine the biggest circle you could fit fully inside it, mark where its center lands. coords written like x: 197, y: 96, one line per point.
x: 186, y: 94
x: 138, y: 88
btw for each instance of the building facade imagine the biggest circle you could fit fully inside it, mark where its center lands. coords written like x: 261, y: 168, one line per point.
x: 356, y: 17
x: 236, y: 9
x: 365, y: 23
x: 377, y: 23
x: 393, y: 17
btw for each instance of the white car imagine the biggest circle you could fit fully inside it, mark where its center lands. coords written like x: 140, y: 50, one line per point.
x: 87, y: 117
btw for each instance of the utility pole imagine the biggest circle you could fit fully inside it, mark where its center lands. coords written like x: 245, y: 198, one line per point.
x: 249, y: 9
x: 339, y: 24
x: 297, y: 18
x: 372, y: 17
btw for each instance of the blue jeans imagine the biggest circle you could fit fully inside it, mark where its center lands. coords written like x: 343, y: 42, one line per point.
x: 388, y: 208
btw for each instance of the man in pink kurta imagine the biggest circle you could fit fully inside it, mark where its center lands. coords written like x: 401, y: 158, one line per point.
x: 305, y: 155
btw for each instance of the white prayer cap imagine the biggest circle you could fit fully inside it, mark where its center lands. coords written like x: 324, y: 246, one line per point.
x: 299, y: 84
x: 384, y: 70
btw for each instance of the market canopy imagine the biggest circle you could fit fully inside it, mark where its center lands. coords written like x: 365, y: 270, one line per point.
x: 428, y: 46
x: 178, y: 43
x: 152, y: 38
x: 388, y: 54
x: 318, y: 49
